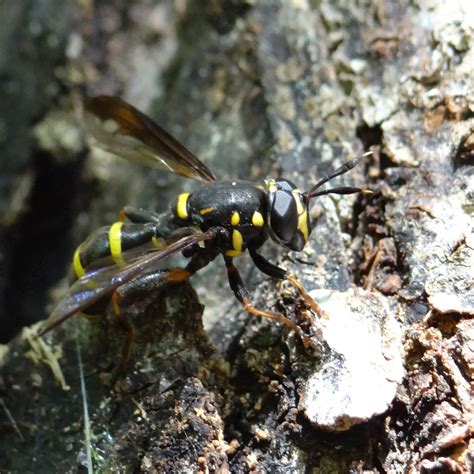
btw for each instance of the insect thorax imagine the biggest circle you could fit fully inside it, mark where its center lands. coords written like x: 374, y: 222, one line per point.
x: 239, y: 206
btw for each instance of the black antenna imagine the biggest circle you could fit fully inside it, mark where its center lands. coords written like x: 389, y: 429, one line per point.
x: 342, y: 190
x: 341, y: 170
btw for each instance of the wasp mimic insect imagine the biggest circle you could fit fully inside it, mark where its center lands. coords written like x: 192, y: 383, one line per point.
x: 119, y: 262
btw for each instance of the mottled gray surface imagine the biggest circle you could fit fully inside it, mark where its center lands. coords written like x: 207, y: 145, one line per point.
x: 33, y: 40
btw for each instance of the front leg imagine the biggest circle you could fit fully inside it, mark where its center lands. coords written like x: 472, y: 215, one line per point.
x: 276, y: 272
x: 242, y: 294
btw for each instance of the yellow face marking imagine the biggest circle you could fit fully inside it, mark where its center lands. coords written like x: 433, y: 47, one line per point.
x: 182, y: 206
x: 302, y: 215
x: 257, y: 219
x: 115, y: 243
x: 303, y: 225
x: 78, y: 268
x: 235, y: 219
x: 207, y: 210
x: 237, y: 240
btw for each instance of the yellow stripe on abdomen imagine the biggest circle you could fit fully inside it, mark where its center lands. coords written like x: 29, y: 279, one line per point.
x: 115, y: 243
x: 182, y: 206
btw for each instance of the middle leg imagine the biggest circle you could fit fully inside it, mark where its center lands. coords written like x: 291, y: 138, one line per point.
x: 243, y: 296
x: 144, y: 285
x: 125, y: 296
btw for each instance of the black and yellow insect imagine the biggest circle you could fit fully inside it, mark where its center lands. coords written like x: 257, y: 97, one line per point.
x: 225, y: 218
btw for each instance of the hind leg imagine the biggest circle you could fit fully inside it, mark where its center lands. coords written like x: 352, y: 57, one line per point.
x: 140, y: 288
x: 126, y: 295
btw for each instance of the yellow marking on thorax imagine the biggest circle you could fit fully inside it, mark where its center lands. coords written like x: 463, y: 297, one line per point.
x: 302, y: 215
x: 77, y: 264
x: 182, y: 206
x: 233, y: 253
x: 237, y: 240
x: 237, y: 243
x: 115, y: 243
x: 206, y: 210
x: 303, y: 225
x: 257, y: 219
x: 235, y: 219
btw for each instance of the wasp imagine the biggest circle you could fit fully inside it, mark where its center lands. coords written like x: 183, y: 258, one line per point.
x: 225, y: 218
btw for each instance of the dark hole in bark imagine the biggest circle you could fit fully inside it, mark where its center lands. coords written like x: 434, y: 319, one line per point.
x: 41, y: 243
x: 465, y: 154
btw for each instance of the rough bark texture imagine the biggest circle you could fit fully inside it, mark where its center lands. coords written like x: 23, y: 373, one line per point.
x: 282, y: 88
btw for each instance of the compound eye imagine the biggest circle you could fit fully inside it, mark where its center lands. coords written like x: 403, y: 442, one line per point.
x: 284, y: 216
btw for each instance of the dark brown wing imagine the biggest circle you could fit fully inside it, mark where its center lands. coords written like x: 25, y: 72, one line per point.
x: 103, y: 282
x: 121, y: 129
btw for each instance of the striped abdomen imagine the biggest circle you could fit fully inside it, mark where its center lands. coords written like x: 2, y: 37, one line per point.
x: 111, y: 241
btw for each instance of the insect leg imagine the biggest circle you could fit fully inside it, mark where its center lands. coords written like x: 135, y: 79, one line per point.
x: 142, y: 286
x: 163, y: 224
x: 130, y: 334
x: 242, y: 294
x: 151, y: 281
x: 133, y: 290
x: 267, y: 267
x: 276, y: 272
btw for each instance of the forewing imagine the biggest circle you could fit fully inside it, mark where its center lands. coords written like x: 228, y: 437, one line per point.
x: 120, y: 128
x: 103, y: 282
